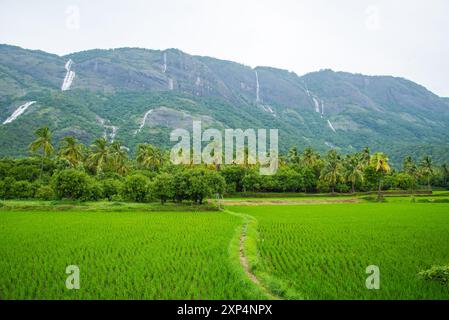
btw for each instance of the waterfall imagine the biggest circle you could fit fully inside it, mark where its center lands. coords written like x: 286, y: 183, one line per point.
x: 331, y: 126
x: 317, y: 104
x: 164, y: 66
x: 257, y: 87
x: 19, y: 111
x: 69, y: 76
x: 142, y: 124
x: 106, y: 127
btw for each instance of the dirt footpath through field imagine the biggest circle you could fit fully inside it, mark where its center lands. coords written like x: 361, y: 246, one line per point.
x: 265, y: 202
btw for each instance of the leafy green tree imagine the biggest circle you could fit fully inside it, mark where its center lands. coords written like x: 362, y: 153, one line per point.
x: 43, y: 143
x: 45, y: 192
x: 379, y: 162
x: 112, y: 188
x: 136, y: 188
x: 71, y: 151
x: 332, y: 170
x: 71, y: 184
x: 162, y: 187
x: 426, y: 170
x: 22, y: 190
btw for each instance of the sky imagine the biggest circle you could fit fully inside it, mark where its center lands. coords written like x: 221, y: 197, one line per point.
x: 405, y: 38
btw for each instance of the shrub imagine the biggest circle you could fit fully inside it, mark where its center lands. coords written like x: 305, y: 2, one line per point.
x: 439, y: 274
x: 94, y: 191
x: 136, y: 188
x: 45, y: 193
x: 181, y: 186
x: 6, y: 188
x: 112, y: 188
x: 71, y: 184
x: 342, y: 188
x: 162, y: 187
x: 22, y: 190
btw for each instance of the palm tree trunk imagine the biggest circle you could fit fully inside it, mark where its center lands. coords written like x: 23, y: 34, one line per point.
x: 353, y: 187
x: 42, y: 165
x: 379, y: 192
x: 429, y: 187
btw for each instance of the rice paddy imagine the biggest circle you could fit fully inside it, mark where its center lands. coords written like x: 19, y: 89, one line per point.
x: 296, y: 251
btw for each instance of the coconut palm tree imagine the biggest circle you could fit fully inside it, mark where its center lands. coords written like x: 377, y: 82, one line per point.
x: 410, y: 168
x: 426, y: 169
x: 293, y: 155
x: 118, y: 157
x: 148, y: 156
x: 71, y: 151
x: 332, y: 170
x: 42, y: 142
x: 99, y: 155
x: 354, y: 169
x: 379, y: 162
x: 309, y: 157
x: 445, y: 171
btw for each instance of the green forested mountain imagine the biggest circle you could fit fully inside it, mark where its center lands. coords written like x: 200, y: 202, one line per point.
x: 137, y: 95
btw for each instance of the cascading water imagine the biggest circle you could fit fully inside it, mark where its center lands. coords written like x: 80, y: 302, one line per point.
x: 164, y: 66
x: 331, y: 126
x: 142, y: 124
x: 69, y: 76
x: 257, y: 87
x: 21, y: 109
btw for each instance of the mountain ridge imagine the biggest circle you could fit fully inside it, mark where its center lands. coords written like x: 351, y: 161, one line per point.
x: 319, y: 109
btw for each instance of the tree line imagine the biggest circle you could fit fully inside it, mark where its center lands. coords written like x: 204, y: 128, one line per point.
x: 105, y: 170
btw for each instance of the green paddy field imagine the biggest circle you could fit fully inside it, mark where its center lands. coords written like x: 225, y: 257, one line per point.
x: 280, y: 250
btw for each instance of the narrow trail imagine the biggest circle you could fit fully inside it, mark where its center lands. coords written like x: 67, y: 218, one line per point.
x: 244, y: 262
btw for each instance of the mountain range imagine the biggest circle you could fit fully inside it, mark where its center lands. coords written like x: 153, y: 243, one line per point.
x: 138, y: 95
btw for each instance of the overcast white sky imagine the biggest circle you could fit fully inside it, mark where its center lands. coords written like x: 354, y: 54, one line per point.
x: 408, y: 38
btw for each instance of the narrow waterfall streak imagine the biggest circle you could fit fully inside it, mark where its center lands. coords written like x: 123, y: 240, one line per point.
x: 257, y: 87
x: 331, y: 126
x: 142, y: 124
x: 317, y: 104
x: 69, y: 76
x: 21, y: 109
x: 164, y: 67
x: 113, y: 129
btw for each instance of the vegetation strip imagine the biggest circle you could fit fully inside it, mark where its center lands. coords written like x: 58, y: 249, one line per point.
x: 250, y: 223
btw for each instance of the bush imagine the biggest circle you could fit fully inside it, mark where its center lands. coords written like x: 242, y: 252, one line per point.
x: 6, y: 188
x: 342, y: 188
x: 71, y: 184
x: 45, y: 193
x: 22, y: 190
x: 439, y: 274
x: 112, y: 188
x: 162, y: 187
x: 136, y: 188
x: 94, y: 191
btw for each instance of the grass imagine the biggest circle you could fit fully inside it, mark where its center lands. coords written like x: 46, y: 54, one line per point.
x: 133, y: 255
x: 305, y: 251
x: 321, y: 252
